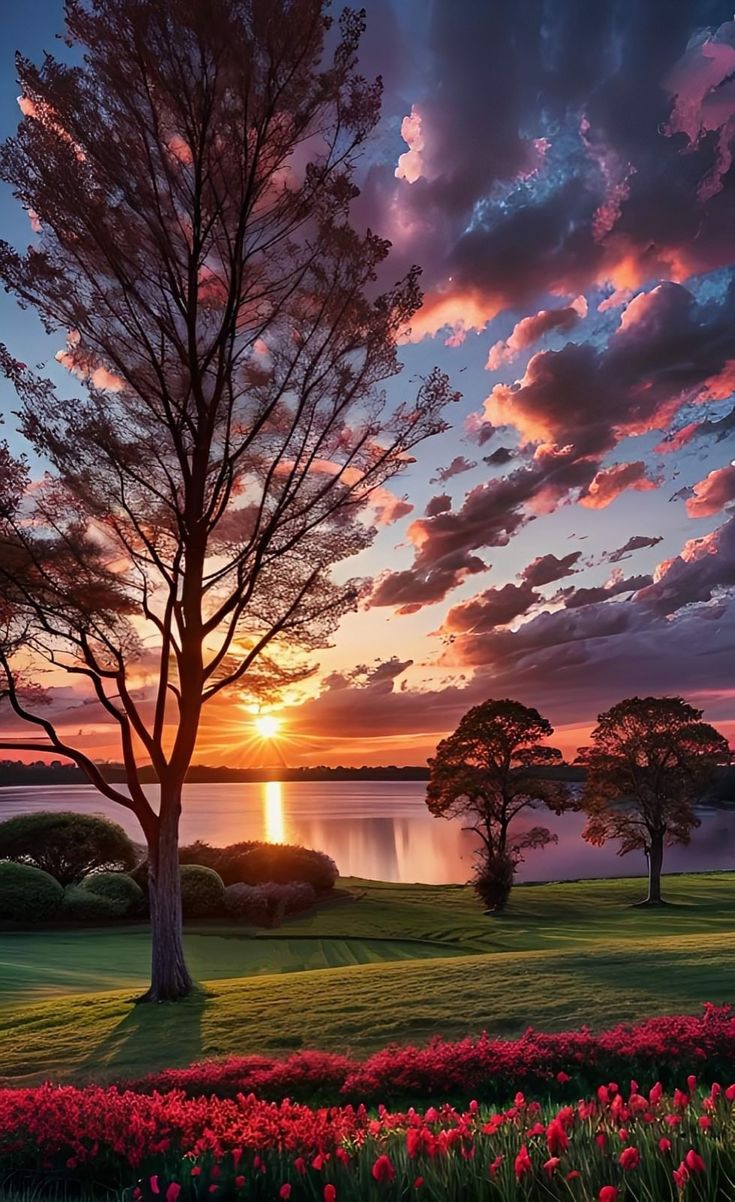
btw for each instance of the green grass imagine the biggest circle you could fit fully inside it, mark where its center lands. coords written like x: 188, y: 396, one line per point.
x: 398, y: 963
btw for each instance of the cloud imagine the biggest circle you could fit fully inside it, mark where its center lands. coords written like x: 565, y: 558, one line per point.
x: 703, y: 568
x: 410, y: 164
x: 437, y: 505
x: 636, y: 542
x: 458, y: 465
x: 712, y: 494
x: 576, y: 597
x: 609, y: 483
x: 545, y: 569
x: 528, y: 330
x: 489, y: 609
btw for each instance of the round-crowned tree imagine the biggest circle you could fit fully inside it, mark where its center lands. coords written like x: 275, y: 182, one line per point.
x: 28, y: 895
x: 492, y: 768
x: 66, y: 845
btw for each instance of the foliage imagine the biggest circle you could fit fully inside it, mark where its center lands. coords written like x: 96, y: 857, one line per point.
x: 202, y: 891
x: 119, y: 887
x: 28, y: 894
x: 83, y: 905
x: 266, y: 905
x: 554, y: 1064
x: 489, y: 771
x: 493, y: 879
x: 65, y: 844
x: 282, y: 863
x: 650, y: 759
x: 192, y: 172
x: 634, y: 1143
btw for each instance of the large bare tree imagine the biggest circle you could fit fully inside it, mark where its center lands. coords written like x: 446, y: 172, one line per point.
x: 191, y: 181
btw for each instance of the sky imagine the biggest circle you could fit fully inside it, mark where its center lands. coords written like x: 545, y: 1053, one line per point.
x: 563, y: 174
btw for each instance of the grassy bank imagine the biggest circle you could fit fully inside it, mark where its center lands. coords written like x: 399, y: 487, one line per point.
x: 397, y: 963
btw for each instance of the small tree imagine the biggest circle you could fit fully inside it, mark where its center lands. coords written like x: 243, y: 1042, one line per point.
x: 66, y: 845
x: 192, y: 175
x: 650, y: 759
x: 490, y: 771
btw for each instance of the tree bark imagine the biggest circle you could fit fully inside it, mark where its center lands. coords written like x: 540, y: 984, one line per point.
x: 655, y: 864
x: 170, y: 979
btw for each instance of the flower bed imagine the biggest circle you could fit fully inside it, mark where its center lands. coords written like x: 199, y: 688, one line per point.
x: 561, y: 1065
x: 618, y: 1145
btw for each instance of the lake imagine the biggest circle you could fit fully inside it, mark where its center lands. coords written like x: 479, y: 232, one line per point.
x: 378, y: 829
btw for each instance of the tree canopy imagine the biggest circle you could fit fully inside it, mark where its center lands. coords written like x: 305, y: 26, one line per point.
x: 649, y: 761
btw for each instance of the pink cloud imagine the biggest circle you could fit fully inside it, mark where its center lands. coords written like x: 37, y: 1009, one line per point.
x: 610, y: 482
x: 410, y: 163
x: 712, y: 494
x: 84, y: 366
x: 529, y: 329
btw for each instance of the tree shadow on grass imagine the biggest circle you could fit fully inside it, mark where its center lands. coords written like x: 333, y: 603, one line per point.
x: 148, y: 1037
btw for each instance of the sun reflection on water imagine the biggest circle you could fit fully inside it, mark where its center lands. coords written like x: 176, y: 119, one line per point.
x: 274, y: 827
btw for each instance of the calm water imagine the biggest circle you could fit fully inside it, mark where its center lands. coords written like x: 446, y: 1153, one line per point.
x: 378, y: 829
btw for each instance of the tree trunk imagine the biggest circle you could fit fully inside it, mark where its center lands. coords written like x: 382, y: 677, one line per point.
x: 655, y: 863
x: 170, y: 978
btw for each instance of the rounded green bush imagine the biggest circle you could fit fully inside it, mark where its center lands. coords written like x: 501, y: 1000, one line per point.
x: 27, y: 894
x: 119, y: 888
x: 65, y: 844
x: 282, y: 863
x: 202, y: 891
x: 82, y: 905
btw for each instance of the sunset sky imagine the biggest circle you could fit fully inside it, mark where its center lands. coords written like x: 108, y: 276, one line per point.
x: 563, y: 174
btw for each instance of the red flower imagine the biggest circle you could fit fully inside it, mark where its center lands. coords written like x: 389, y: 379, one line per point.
x: 664, y: 1144
x: 692, y: 1083
x: 173, y: 1191
x: 551, y: 1165
x: 573, y: 1175
x: 154, y: 1184
x: 330, y: 1193
x: 418, y: 1183
x: 601, y: 1139
x: 730, y: 1093
x: 383, y: 1170
x: 563, y: 1077
x: 630, y: 1158
x: 522, y: 1163
x: 694, y: 1162
x: 196, y: 1171
x: 557, y: 1139
x: 681, y: 1176
x: 608, y: 1193
x: 285, y: 1190
x: 239, y: 1182
x: 300, y: 1164
x: 493, y: 1169
x: 705, y: 1122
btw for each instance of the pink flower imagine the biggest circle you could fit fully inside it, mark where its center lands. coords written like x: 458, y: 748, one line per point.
x: 155, y: 1189
x: 608, y: 1193
x: 730, y: 1093
x: 173, y: 1192
x: 522, y: 1163
x: 629, y: 1159
x: 383, y: 1170
x: 474, y: 1107
x: 300, y: 1164
x: 551, y: 1165
x: 694, y: 1162
x: 575, y: 1173
x: 330, y: 1193
x: 285, y: 1191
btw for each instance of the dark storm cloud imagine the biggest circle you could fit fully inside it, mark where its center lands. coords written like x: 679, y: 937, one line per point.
x: 575, y: 598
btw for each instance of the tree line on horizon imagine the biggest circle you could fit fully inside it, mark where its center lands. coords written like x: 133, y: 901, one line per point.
x: 649, y: 760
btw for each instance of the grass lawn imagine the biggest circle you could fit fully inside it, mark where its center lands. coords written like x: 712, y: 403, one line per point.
x: 400, y: 962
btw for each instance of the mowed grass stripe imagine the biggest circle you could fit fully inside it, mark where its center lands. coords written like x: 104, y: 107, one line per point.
x: 364, y: 1007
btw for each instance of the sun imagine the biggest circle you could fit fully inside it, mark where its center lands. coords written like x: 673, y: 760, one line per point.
x: 267, y: 726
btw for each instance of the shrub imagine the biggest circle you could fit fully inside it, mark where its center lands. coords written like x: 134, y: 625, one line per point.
x: 201, y: 853
x: 82, y: 905
x: 248, y: 903
x: 281, y: 863
x: 118, y: 887
x: 266, y: 905
x: 28, y: 894
x: 202, y: 891
x: 493, y: 880
x: 65, y: 844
